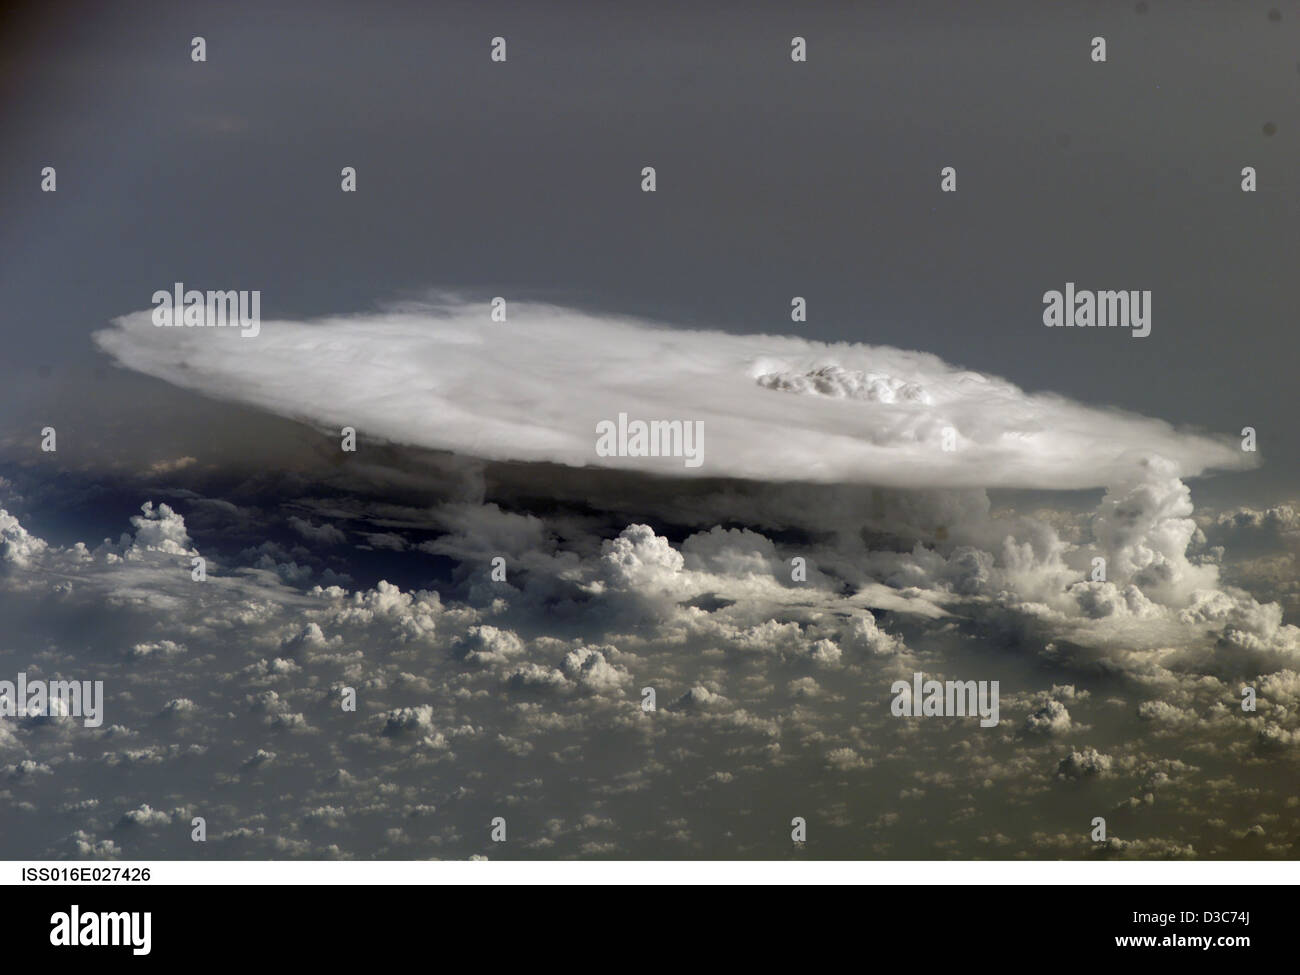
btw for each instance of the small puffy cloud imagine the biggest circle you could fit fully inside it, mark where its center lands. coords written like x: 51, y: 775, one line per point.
x: 145, y: 816
x: 17, y: 546
x: 1084, y: 764
x: 157, y: 648
x: 1052, y: 719
x: 639, y: 559
x: 318, y: 534
x: 845, y: 759
x: 483, y: 645
x: 699, y: 698
x: 731, y: 552
x: 158, y: 530
x: 825, y: 652
x: 862, y: 635
x: 588, y: 667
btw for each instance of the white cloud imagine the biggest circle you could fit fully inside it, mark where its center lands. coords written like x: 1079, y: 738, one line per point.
x: 774, y: 407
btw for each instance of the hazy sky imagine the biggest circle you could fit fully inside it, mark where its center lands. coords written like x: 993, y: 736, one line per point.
x: 775, y: 179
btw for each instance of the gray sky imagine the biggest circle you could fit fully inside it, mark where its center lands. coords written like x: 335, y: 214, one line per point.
x: 775, y: 179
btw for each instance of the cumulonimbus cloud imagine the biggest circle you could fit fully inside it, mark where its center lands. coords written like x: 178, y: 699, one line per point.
x: 443, y: 375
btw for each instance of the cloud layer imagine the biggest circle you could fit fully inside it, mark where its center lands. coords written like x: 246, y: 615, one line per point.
x: 444, y: 376
x: 523, y: 698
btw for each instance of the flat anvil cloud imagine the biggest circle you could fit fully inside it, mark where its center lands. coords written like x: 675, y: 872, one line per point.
x: 778, y: 408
